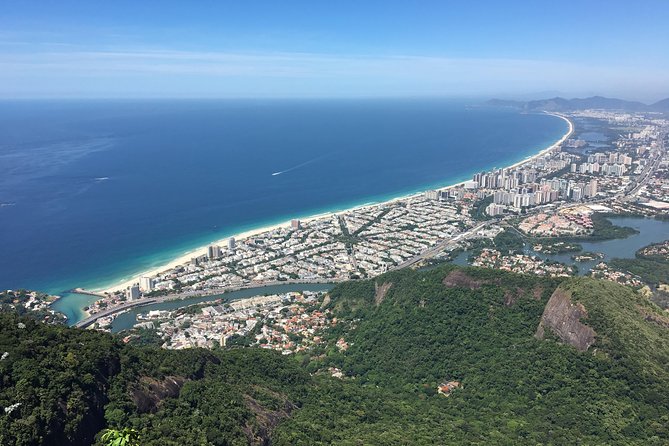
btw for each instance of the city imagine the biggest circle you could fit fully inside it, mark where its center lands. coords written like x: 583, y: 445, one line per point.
x: 551, y: 196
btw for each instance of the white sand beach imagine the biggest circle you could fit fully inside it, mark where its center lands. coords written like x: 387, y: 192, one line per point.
x: 187, y: 256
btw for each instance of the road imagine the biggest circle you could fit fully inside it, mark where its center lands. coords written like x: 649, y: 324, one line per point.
x: 646, y: 175
x: 431, y: 252
x: 109, y: 311
x: 440, y: 247
x: 189, y: 294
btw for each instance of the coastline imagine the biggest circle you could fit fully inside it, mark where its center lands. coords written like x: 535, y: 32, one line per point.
x: 202, y: 250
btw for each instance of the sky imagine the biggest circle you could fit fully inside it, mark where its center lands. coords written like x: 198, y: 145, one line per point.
x: 311, y: 49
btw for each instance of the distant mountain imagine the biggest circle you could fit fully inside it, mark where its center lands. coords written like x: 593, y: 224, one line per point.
x: 505, y: 103
x: 661, y: 106
x: 594, y: 102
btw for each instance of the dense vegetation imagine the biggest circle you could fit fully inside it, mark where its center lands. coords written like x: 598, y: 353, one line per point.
x: 509, y: 241
x: 478, y: 209
x: 31, y: 304
x: 516, y: 390
x: 604, y: 229
x: 66, y: 385
x: 652, y: 269
x: 470, y: 325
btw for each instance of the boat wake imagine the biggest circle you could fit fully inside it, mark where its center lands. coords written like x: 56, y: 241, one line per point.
x: 306, y: 163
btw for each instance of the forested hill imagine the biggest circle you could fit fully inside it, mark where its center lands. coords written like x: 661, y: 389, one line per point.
x: 518, y: 359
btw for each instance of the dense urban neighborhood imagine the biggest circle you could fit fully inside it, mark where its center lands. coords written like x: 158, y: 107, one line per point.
x: 610, y: 163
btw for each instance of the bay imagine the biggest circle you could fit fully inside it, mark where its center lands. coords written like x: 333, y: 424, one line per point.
x: 96, y: 191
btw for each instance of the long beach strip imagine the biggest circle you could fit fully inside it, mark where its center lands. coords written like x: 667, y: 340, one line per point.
x: 186, y: 257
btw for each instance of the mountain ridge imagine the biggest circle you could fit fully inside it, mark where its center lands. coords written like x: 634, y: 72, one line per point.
x: 560, y: 104
x: 406, y: 334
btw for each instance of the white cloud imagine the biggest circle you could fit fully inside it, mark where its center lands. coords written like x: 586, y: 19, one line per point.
x: 182, y: 73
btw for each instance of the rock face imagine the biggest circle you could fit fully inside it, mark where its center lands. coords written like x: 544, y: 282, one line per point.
x: 259, y: 432
x: 149, y: 393
x: 563, y: 317
x: 460, y: 279
x: 381, y: 291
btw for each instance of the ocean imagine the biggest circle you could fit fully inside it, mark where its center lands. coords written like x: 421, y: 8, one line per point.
x: 92, y: 192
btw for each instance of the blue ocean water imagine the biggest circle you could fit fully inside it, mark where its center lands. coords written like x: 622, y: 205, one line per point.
x: 95, y: 191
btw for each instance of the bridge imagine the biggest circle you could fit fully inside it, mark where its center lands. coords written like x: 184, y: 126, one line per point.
x: 90, y: 320
x: 87, y: 292
x: 190, y: 294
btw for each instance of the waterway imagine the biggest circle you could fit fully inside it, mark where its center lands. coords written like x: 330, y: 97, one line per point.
x: 650, y: 231
x: 128, y: 319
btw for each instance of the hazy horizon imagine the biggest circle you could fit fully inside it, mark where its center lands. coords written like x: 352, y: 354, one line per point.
x: 126, y: 50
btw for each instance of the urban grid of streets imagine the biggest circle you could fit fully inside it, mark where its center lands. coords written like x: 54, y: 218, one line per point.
x: 549, y: 195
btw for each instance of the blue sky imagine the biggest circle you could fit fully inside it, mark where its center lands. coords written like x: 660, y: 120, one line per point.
x: 126, y: 49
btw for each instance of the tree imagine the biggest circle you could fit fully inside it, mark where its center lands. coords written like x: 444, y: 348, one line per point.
x: 124, y: 437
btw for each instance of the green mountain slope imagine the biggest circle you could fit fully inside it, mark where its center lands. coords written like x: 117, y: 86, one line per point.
x: 407, y: 332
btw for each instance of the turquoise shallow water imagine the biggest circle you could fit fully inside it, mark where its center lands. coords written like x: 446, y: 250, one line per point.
x: 97, y: 191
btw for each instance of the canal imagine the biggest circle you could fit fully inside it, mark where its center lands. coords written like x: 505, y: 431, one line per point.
x: 126, y: 320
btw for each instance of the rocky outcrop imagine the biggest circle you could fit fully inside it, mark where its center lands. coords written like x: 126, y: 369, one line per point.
x: 655, y: 318
x: 563, y: 317
x: 260, y: 431
x: 381, y: 291
x: 148, y: 394
x: 459, y: 279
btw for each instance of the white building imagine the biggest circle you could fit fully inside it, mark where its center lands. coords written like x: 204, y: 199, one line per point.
x: 213, y: 252
x: 146, y: 284
x: 494, y: 209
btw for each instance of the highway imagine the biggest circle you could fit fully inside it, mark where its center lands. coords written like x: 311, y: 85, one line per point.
x: 440, y: 247
x: 647, y: 174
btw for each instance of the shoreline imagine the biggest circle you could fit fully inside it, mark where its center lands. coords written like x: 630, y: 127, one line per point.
x: 202, y: 250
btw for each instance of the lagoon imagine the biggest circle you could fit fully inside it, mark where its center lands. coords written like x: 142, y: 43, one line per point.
x: 650, y: 231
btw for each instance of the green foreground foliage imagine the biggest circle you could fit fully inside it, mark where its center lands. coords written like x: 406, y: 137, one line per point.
x: 124, y: 437
x: 469, y: 325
